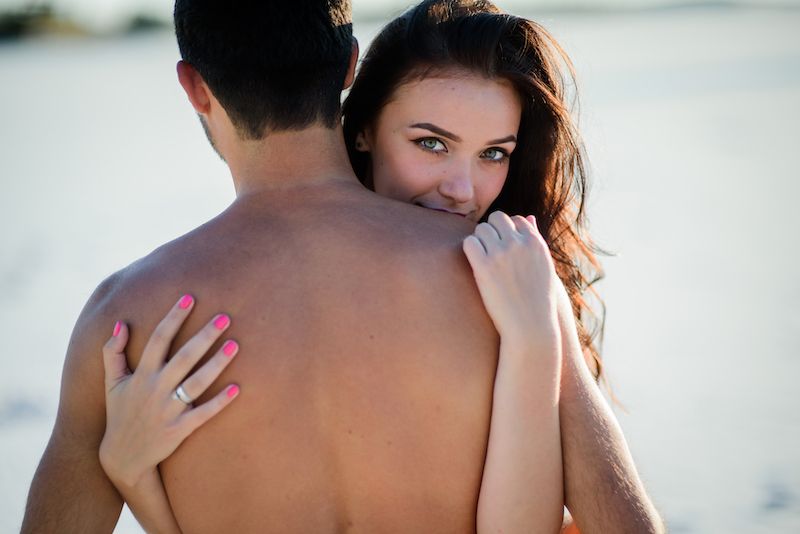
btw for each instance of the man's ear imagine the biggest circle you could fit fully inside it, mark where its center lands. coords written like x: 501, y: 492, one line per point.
x: 195, y: 87
x: 351, y: 69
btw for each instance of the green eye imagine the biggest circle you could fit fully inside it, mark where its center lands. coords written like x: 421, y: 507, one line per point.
x: 495, y: 154
x: 432, y: 144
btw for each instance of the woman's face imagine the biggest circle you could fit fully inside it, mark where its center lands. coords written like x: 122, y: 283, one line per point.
x: 443, y: 142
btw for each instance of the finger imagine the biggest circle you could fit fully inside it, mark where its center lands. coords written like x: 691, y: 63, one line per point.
x: 473, y: 249
x: 188, y: 355
x: 115, y: 364
x: 535, y: 227
x: 503, y: 225
x: 531, y: 219
x: 489, y: 237
x: 195, y: 385
x: 197, y: 417
x: 523, y: 226
x: 155, y: 352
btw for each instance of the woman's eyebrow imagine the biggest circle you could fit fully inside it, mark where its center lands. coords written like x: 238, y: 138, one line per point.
x: 439, y: 131
x: 507, y: 139
x: 450, y: 135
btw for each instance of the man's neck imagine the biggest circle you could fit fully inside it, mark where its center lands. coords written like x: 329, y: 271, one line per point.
x: 314, y: 156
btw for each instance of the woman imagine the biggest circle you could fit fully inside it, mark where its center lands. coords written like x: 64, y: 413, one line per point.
x: 504, y: 142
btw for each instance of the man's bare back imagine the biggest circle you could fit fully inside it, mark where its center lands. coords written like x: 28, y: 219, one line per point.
x: 365, y: 399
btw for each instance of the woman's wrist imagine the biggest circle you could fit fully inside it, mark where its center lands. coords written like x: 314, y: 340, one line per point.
x: 120, y: 476
x: 542, y: 342
x: 150, y: 505
x: 132, y: 481
x: 534, y: 374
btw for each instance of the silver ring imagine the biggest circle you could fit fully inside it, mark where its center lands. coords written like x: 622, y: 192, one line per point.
x: 180, y: 394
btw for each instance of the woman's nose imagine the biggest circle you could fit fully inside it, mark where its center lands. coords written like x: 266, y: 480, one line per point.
x: 458, y: 185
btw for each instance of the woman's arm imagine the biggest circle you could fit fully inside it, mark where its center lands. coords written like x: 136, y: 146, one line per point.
x: 522, y: 486
x: 146, y: 420
x: 521, y: 490
x: 149, y: 503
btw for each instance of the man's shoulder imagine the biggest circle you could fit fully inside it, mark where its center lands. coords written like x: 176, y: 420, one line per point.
x: 419, y: 253
x: 414, y: 230
x: 133, y: 285
x: 123, y: 285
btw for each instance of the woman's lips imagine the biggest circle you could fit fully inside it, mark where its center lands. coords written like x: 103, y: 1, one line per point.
x: 443, y: 210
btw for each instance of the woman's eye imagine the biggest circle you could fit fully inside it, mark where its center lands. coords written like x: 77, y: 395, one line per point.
x: 432, y: 144
x: 495, y: 154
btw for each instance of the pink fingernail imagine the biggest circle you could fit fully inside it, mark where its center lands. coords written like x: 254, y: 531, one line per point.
x: 233, y: 391
x: 117, y: 328
x: 230, y: 348
x: 222, y: 321
x: 185, y: 302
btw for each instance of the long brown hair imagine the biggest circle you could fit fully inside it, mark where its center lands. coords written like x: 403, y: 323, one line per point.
x: 547, y: 175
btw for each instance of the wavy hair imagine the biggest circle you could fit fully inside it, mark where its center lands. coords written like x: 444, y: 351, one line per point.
x: 547, y: 174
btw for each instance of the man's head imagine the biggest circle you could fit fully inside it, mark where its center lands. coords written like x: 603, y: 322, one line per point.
x: 271, y: 65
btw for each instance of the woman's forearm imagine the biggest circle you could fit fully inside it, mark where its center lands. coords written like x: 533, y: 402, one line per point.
x: 149, y: 503
x: 522, y: 486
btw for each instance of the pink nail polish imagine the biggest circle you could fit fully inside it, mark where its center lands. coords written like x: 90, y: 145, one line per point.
x: 117, y: 328
x: 233, y: 391
x: 230, y: 348
x: 185, y: 302
x: 222, y: 321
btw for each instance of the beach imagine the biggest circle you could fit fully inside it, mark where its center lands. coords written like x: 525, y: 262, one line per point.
x: 691, y: 119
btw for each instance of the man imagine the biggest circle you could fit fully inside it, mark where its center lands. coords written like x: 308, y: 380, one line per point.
x: 367, y: 358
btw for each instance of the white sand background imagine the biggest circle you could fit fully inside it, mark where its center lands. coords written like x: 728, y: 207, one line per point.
x: 691, y: 120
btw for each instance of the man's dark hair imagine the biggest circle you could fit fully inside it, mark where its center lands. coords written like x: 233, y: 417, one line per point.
x: 272, y: 65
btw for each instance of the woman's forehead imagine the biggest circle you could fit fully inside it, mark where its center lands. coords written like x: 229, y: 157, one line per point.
x: 458, y: 98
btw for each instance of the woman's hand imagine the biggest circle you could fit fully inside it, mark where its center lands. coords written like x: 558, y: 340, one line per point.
x: 147, y: 415
x: 516, y: 278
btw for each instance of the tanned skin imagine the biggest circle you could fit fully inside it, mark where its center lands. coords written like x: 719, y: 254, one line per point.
x: 602, y: 488
x: 366, y: 365
x: 366, y: 371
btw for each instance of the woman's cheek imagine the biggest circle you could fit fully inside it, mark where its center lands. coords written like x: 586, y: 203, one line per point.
x: 411, y: 174
x: 396, y: 176
x: 493, y: 187
x: 385, y: 170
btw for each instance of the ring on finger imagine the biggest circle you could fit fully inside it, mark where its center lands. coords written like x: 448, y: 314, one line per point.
x: 181, y: 395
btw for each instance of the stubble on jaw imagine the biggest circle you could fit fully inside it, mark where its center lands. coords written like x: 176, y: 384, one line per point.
x: 208, y: 136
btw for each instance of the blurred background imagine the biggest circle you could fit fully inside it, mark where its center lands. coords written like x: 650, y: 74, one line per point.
x: 691, y: 117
